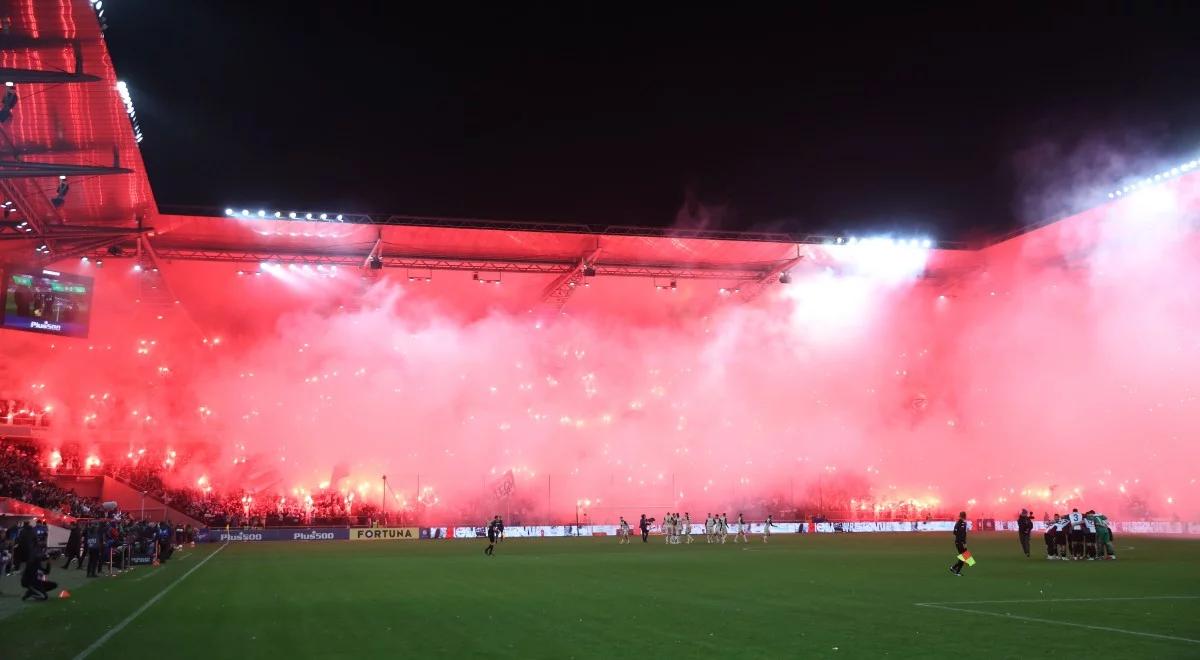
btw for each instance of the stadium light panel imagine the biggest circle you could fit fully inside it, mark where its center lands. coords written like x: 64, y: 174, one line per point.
x: 1164, y: 175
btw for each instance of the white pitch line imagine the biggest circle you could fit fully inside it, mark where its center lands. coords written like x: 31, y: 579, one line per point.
x: 1061, y: 600
x: 1060, y: 623
x: 129, y: 619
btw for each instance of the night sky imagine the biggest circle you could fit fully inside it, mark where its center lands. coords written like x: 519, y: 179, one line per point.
x: 952, y: 125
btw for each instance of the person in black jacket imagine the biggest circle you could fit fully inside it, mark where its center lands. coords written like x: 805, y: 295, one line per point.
x: 34, y: 578
x: 493, y: 531
x: 644, y: 526
x: 960, y: 541
x: 1024, y: 528
x: 94, y: 543
x: 26, y: 546
x: 74, y: 543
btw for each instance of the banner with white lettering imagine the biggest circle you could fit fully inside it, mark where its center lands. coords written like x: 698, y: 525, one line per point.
x: 384, y: 533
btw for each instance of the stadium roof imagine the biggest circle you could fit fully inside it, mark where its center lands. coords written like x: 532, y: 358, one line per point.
x: 73, y: 118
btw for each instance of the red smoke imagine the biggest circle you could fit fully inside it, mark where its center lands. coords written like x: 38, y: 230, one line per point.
x: 1062, y: 365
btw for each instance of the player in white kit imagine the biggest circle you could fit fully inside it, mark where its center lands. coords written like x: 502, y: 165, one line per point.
x: 1089, y: 548
x: 709, y: 526
x: 767, y: 529
x: 723, y: 528
x: 1075, y: 535
x: 687, y: 527
x: 623, y: 533
x: 742, y: 536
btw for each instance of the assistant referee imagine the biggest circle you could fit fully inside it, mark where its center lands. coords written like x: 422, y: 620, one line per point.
x: 960, y: 541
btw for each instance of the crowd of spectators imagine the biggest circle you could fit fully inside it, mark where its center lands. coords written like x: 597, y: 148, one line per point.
x: 23, y: 413
x: 24, y: 472
x: 21, y: 479
x: 147, y: 471
x: 325, y: 508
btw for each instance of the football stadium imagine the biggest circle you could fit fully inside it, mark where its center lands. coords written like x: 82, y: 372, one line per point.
x: 316, y: 432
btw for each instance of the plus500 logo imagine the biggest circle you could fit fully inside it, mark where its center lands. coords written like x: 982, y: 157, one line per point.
x: 312, y: 536
x: 241, y: 537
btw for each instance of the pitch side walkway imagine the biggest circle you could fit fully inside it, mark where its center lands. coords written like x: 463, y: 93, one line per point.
x: 76, y: 581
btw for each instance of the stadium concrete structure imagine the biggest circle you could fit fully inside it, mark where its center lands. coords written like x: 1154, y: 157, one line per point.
x: 74, y: 119
x: 73, y: 122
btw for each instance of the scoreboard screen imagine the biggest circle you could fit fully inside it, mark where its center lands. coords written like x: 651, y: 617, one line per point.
x: 47, y: 301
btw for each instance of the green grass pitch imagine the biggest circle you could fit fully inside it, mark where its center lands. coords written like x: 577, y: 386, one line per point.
x: 810, y: 596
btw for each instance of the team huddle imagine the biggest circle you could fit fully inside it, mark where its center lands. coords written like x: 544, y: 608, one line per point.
x: 677, y: 529
x: 1077, y: 536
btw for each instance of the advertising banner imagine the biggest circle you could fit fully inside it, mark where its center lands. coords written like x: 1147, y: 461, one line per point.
x: 1152, y: 527
x: 886, y: 526
x: 1132, y: 527
x: 538, y: 531
x: 385, y: 533
x: 561, y: 531
x: 273, y: 534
